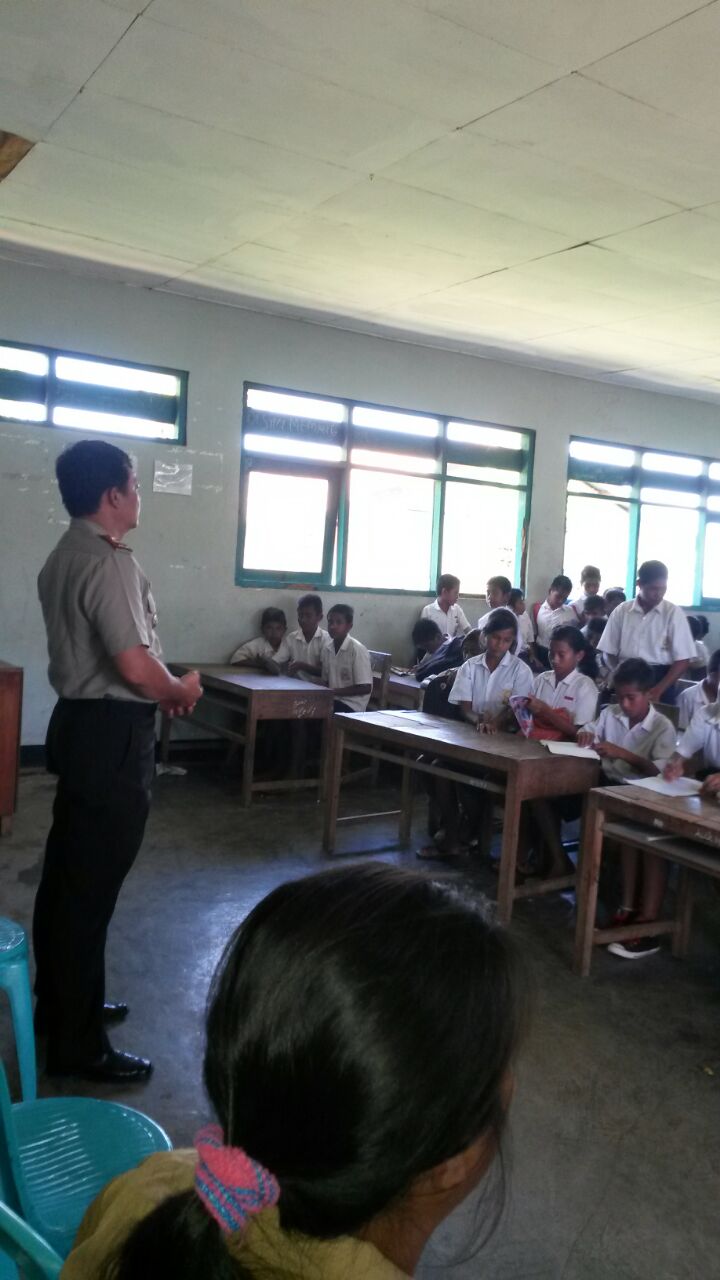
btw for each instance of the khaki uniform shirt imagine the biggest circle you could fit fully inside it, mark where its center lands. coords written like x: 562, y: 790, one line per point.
x: 264, y: 1248
x: 96, y: 602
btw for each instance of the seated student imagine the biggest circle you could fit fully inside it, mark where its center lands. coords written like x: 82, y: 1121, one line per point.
x: 702, y: 694
x: 526, y: 630
x: 589, y: 607
x: 701, y: 735
x: 345, y: 662
x: 613, y: 597
x: 306, y: 643
x: 633, y: 739
x: 441, y: 652
x: 592, y: 631
x: 699, y: 663
x: 268, y: 651
x: 590, y: 579
x: 436, y: 702
x: 652, y: 628
x: 445, y: 610
x: 555, y: 611
x: 339, y: 1147
x: 497, y: 594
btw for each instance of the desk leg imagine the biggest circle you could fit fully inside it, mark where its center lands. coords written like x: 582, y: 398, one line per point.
x: 508, y: 857
x: 683, y: 914
x: 406, y: 802
x: 165, y: 738
x: 587, y: 885
x: 324, y: 763
x: 249, y: 756
x: 336, y: 746
x: 6, y: 824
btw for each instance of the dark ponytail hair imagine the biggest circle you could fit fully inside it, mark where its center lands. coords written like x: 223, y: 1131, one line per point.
x: 360, y: 1029
x: 579, y: 644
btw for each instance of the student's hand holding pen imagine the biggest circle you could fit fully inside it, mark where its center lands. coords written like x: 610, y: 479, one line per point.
x: 673, y: 769
x: 711, y: 786
x: 585, y: 739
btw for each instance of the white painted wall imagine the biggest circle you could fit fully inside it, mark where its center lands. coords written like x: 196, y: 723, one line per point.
x: 187, y: 545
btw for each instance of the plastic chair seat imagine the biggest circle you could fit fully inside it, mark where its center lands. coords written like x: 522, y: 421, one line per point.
x: 69, y: 1149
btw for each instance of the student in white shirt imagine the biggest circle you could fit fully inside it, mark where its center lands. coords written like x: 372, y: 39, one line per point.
x: 589, y: 607
x: 268, y: 651
x: 345, y: 662
x: 497, y: 594
x: 702, y: 734
x: 613, y: 597
x: 590, y: 579
x: 445, y: 610
x: 633, y: 739
x: 526, y: 630
x: 651, y: 628
x: 555, y: 611
x: 308, y: 640
x: 699, y: 663
x: 701, y: 694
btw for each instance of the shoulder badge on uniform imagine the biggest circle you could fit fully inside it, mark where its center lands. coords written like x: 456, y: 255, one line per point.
x: 116, y: 546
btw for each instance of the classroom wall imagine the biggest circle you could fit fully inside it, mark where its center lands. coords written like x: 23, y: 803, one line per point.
x: 187, y: 545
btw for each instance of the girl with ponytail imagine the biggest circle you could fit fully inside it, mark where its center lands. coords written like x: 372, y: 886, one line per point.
x: 360, y: 1092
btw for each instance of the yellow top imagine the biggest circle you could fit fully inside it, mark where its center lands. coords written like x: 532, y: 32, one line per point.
x: 264, y: 1247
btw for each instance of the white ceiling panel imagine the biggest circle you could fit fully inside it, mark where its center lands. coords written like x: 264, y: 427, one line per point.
x: 45, y: 247
x: 687, y: 242
x: 456, y: 311
x: 568, y: 33
x: 92, y: 197
x: 564, y: 299
x: 624, y: 277
x: 582, y: 123
x: 697, y: 327
x: 384, y: 49
x: 517, y: 182
x: 219, y: 85
x: 214, y: 159
x: 610, y: 349
x: 675, y: 70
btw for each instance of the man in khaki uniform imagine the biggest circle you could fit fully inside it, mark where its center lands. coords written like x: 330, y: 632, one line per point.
x: 106, y: 668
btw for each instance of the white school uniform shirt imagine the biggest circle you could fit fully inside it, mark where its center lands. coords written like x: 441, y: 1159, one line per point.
x: 526, y: 631
x: 654, y: 738
x: 702, y: 657
x: 491, y: 690
x: 689, y: 701
x: 661, y: 636
x: 548, y: 619
x: 452, y: 623
x: 350, y: 665
x: 302, y: 650
x: 703, y: 734
x: 577, y: 694
x: 261, y: 648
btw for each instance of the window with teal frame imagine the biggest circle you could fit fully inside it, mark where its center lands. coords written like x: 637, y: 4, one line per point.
x: 626, y: 505
x: 50, y: 388
x: 355, y: 496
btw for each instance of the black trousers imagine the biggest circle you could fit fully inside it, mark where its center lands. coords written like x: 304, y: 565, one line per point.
x: 103, y: 751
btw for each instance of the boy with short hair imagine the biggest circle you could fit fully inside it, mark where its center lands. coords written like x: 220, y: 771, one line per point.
x: 589, y: 607
x: 526, y: 630
x: 441, y: 652
x: 345, y: 662
x: 633, y: 738
x: 613, y: 597
x: 652, y: 628
x: 308, y: 640
x: 702, y: 694
x: 268, y: 651
x: 445, y: 610
x: 497, y: 594
x: 555, y: 611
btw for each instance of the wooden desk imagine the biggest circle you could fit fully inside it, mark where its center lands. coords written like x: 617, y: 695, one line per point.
x: 254, y: 696
x: 11, y: 684
x: 682, y: 829
x: 522, y: 770
x: 402, y: 691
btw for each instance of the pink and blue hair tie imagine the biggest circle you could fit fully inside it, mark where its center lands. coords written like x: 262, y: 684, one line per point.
x: 231, y: 1185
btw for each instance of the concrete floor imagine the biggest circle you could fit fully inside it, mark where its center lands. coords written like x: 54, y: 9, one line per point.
x: 615, y: 1132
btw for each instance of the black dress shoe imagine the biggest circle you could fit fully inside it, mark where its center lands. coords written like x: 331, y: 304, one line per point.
x: 111, y: 1013
x: 113, y: 1067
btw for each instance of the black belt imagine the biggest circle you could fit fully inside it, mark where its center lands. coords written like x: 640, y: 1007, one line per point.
x: 121, y: 707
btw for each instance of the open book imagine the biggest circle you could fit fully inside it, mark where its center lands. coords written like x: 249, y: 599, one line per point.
x: 570, y: 749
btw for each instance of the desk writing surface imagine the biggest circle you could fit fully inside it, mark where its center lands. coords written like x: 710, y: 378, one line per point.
x: 222, y: 676
x: 403, y: 682
x: 419, y: 725
x: 664, y: 812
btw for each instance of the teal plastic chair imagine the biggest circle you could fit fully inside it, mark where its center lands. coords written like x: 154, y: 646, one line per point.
x: 15, y: 980
x: 57, y: 1154
x: 25, y: 1247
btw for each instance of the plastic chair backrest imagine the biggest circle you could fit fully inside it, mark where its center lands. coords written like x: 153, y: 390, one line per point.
x: 31, y: 1253
x: 11, y: 1177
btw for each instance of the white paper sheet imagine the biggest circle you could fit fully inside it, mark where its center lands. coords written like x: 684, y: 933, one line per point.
x: 570, y: 749
x: 680, y: 787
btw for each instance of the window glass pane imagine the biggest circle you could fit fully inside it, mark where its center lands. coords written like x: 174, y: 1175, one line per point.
x: 713, y: 502
x: 610, y: 455
x: 22, y: 410
x: 275, y: 504
x: 711, y: 569
x: 21, y: 361
x: 595, y: 531
x: 389, y: 531
x: 489, y: 437
x: 479, y: 534
x: 295, y: 406
x: 113, y: 423
x: 714, y: 471
x: 671, y: 536
x: 288, y: 447
x: 670, y: 498
x: 673, y: 463
x: 490, y: 475
x: 407, y: 424
x: 394, y: 461
x: 597, y: 488
x: 115, y: 375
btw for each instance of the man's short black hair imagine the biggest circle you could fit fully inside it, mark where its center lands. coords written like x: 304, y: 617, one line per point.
x: 311, y: 601
x: 614, y: 593
x: 86, y: 470
x: 714, y: 663
x: 635, y: 671
x: 502, y: 584
x: 651, y: 571
x: 515, y: 595
x: 272, y: 615
x: 593, y: 602
x: 345, y: 611
x: 447, y: 582
x: 561, y: 580
x: 424, y: 630
x: 695, y: 626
